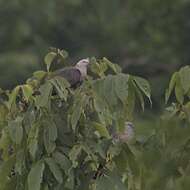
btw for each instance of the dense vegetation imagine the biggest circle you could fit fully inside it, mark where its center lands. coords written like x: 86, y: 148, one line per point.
x: 56, y: 137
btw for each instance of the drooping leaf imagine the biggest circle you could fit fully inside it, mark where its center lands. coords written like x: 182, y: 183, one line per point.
x: 5, y: 170
x: 171, y: 86
x: 61, y: 86
x: 102, y: 130
x: 33, y: 139
x: 179, y: 91
x: 5, y: 142
x: 63, y: 161
x: 49, y: 59
x: 130, y: 105
x: 27, y: 91
x: 140, y: 96
x: 50, y: 136
x: 110, y: 181
x: 43, y: 99
x: 54, y: 168
x: 13, y: 96
x: 78, y: 106
x: 16, y: 130
x: 35, y: 176
x: 184, y: 74
x: 116, y: 68
x: 109, y: 90
x: 74, y: 153
x: 144, y: 86
x: 20, y: 162
x: 39, y: 74
x: 121, y: 88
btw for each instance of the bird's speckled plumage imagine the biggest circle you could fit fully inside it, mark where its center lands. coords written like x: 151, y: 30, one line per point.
x: 127, y: 135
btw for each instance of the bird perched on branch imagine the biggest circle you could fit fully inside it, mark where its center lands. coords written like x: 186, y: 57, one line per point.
x: 76, y: 74
x: 127, y: 135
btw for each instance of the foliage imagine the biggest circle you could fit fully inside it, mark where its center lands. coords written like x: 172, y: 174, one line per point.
x: 54, y: 136
x: 180, y: 83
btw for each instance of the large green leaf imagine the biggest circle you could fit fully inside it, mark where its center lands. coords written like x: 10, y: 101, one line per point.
x: 121, y: 86
x: 16, y: 130
x: 35, y: 176
x: 43, y: 99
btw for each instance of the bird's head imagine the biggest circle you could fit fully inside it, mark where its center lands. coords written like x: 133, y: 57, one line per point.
x: 82, y: 66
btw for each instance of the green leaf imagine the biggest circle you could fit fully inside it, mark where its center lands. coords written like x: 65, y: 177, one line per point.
x: 143, y: 86
x: 35, y: 176
x: 74, y: 153
x: 13, y: 96
x: 130, y: 101
x: 61, y: 86
x: 49, y: 59
x: 110, y: 181
x: 27, y: 91
x: 179, y: 92
x: 140, y: 96
x: 19, y: 161
x: 121, y: 86
x: 171, y: 86
x: 54, y: 169
x: 39, y: 74
x: 5, y: 142
x: 102, y: 130
x: 16, y: 130
x: 43, y: 99
x: 63, y: 161
x: 116, y: 68
x: 5, y: 170
x: 50, y: 135
x: 33, y: 139
x: 77, y: 109
x: 109, y: 90
x: 184, y: 74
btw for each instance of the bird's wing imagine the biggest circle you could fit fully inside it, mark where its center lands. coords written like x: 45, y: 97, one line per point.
x: 72, y: 75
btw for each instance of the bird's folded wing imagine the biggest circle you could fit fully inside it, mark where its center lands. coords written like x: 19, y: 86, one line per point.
x: 72, y: 75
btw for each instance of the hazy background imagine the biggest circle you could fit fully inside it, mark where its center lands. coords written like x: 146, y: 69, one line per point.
x: 150, y: 38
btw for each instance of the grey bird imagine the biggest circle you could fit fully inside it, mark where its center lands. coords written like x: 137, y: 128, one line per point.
x: 127, y: 135
x: 76, y: 74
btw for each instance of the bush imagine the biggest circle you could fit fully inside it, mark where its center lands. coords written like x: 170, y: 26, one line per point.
x: 54, y: 136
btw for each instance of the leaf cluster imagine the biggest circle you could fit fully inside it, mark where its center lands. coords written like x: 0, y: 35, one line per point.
x: 55, y: 137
